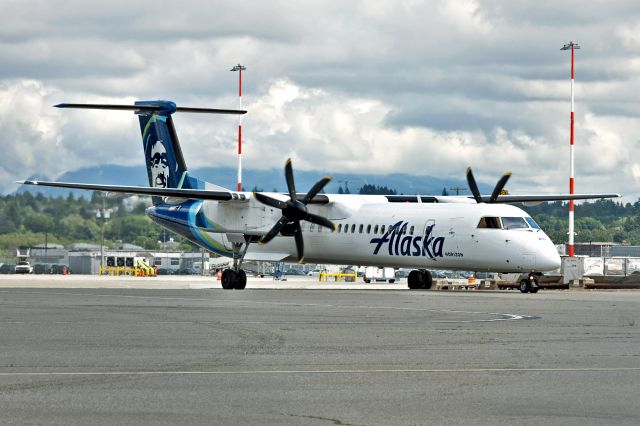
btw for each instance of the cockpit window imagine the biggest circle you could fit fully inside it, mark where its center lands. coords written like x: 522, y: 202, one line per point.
x: 514, y: 223
x: 532, y: 223
x: 489, y: 222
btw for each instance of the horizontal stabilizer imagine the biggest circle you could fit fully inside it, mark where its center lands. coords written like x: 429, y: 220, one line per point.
x: 152, y: 108
x: 194, y: 194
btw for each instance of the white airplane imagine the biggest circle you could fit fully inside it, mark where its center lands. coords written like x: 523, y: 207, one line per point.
x: 478, y: 233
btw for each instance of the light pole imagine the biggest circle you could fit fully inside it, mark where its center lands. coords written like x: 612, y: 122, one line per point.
x: 239, y: 68
x: 104, y: 214
x: 571, y: 46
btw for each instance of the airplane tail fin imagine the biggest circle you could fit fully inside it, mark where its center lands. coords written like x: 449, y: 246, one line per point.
x: 162, y: 152
x: 166, y: 167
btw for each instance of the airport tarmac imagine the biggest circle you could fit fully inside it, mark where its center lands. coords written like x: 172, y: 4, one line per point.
x: 78, y: 350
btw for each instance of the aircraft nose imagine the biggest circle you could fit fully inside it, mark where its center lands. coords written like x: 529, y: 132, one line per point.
x: 548, y: 259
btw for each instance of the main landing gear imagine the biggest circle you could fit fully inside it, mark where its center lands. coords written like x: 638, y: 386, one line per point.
x: 419, y: 279
x: 236, y: 278
x: 529, y: 284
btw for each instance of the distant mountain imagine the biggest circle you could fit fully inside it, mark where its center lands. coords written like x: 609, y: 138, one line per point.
x: 266, y: 180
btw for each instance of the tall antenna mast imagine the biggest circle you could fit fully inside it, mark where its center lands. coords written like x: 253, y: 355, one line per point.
x: 239, y: 68
x: 571, y: 46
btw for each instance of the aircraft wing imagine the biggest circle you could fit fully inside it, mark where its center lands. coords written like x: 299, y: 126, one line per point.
x: 196, y: 194
x: 543, y: 198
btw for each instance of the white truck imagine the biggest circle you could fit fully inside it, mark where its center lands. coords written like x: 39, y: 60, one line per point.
x: 372, y: 273
x: 24, y: 267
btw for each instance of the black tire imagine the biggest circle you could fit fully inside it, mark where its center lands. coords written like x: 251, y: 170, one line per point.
x: 241, y: 280
x: 427, y: 280
x: 534, y: 288
x: 392, y: 281
x: 228, y: 279
x: 367, y: 281
x: 524, y: 286
x: 415, y: 280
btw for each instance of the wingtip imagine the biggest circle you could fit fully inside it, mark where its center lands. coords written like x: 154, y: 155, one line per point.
x: 60, y: 105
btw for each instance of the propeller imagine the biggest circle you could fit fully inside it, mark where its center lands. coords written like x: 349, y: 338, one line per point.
x: 471, y: 181
x: 293, y: 211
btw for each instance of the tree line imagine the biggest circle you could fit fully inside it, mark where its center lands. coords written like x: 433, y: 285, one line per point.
x: 26, y: 218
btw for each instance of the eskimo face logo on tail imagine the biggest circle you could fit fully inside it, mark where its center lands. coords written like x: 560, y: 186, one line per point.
x: 400, y: 244
x: 159, y: 165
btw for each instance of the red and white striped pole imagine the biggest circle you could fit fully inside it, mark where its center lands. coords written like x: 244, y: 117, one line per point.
x: 239, y: 68
x: 572, y: 46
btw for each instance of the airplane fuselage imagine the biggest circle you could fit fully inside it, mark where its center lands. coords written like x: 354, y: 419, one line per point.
x: 370, y: 230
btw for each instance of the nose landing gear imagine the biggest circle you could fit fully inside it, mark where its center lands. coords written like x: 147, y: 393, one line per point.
x: 418, y: 279
x: 529, y: 284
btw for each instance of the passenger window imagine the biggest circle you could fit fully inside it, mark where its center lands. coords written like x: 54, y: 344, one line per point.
x: 312, y: 227
x: 489, y: 222
x: 369, y: 229
x: 346, y: 228
x: 353, y: 229
x: 375, y: 230
x: 382, y: 229
x: 411, y: 230
x: 360, y: 228
x: 339, y: 228
x: 514, y: 223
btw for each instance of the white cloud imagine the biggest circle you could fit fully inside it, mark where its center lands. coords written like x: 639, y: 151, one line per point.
x: 374, y: 86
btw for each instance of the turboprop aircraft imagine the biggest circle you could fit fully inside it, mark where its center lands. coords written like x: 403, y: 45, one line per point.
x: 479, y: 233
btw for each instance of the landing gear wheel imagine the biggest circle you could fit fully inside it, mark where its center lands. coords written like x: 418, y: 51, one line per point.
x: 525, y: 286
x: 427, y: 279
x: 228, y: 279
x: 241, y: 280
x: 415, y: 280
x: 534, y: 287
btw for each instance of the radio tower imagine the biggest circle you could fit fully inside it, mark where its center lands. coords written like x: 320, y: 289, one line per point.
x: 239, y: 68
x: 571, y: 46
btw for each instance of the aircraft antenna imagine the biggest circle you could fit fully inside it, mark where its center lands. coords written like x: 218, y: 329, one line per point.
x: 571, y: 46
x: 239, y: 68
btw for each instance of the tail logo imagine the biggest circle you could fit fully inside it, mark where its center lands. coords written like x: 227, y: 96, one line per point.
x: 159, y: 165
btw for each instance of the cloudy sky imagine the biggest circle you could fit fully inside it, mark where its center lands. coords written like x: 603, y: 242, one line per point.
x: 373, y: 86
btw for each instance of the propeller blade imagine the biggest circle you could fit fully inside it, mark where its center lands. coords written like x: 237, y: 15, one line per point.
x: 274, y: 231
x: 299, y: 242
x: 471, y: 181
x: 315, y: 189
x: 288, y: 174
x: 320, y: 220
x: 499, y: 186
x: 265, y: 199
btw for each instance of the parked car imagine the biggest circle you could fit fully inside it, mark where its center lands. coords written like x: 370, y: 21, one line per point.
x: 40, y: 268
x: 59, y: 269
x: 186, y: 271
x: 166, y: 271
x: 23, y: 267
x: 8, y: 268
